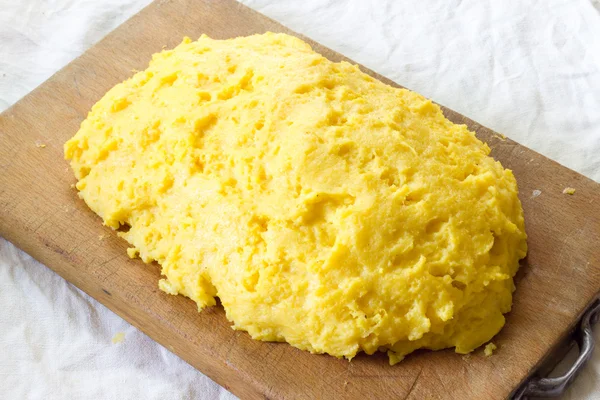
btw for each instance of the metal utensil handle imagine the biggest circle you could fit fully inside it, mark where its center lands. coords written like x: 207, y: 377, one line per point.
x: 552, y: 387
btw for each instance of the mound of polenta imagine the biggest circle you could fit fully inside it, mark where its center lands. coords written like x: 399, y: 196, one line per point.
x: 323, y: 207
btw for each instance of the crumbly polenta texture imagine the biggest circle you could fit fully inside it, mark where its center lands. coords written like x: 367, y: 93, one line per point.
x: 323, y: 207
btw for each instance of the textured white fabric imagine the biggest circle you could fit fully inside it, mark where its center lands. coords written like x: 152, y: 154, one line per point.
x: 528, y: 69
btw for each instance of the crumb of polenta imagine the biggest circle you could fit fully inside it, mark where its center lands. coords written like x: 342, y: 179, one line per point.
x: 132, y: 252
x: 489, y: 349
x: 118, y: 338
x: 569, y: 190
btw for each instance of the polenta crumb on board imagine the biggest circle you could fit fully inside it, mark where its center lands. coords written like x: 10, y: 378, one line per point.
x: 489, y: 349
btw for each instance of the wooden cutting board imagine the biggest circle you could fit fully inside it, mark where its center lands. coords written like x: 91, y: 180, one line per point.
x: 41, y: 214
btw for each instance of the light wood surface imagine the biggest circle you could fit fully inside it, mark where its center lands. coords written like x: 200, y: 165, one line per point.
x: 41, y: 214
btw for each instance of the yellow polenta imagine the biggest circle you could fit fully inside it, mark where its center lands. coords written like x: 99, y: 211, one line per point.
x: 323, y: 207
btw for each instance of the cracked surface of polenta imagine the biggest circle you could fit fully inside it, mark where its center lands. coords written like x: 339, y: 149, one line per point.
x: 323, y: 207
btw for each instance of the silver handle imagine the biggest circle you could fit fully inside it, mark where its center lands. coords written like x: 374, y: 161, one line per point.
x: 552, y: 387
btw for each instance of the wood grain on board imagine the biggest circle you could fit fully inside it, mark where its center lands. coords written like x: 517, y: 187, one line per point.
x: 42, y: 215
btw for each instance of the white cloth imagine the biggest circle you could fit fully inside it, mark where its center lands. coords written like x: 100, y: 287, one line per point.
x: 528, y: 69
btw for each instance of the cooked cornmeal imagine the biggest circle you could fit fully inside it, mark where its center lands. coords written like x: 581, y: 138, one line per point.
x: 321, y: 206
